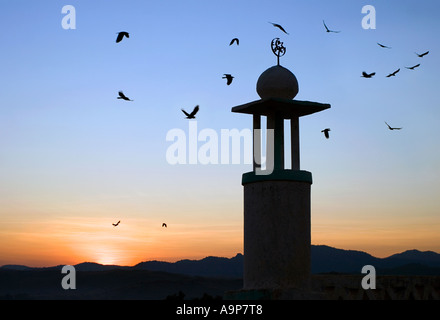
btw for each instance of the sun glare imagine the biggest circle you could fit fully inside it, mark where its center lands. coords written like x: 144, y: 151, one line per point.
x: 106, y: 260
x: 105, y: 255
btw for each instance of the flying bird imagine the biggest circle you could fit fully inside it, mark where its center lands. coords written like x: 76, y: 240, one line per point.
x: 366, y: 75
x: 228, y: 77
x: 383, y: 46
x: 116, y: 224
x: 278, y: 26
x: 328, y: 30
x: 326, y: 132
x: 121, y: 36
x: 393, y: 74
x: 422, y: 55
x: 192, y: 114
x: 413, y: 67
x: 234, y: 40
x: 164, y: 225
x: 123, y: 97
x: 389, y: 127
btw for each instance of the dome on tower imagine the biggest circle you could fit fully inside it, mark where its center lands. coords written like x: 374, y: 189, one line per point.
x: 277, y: 82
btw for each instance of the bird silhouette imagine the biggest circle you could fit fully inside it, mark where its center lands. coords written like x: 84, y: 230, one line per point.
x: 121, y: 36
x: 383, y: 46
x: 328, y: 30
x: 389, y: 127
x: 278, y: 26
x: 393, y: 74
x: 413, y: 67
x: 366, y: 75
x: 123, y: 97
x: 192, y: 114
x: 228, y: 77
x: 164, y: 225
x: 234, y: 40
x: 326, y: 132
x: 116, y: 224
x: 422, y: 55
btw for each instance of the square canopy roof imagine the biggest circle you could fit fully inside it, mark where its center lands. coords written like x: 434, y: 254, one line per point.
x: 282, y: 107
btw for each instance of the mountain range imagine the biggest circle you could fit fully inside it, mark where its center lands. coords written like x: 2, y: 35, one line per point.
x: 324, y: 259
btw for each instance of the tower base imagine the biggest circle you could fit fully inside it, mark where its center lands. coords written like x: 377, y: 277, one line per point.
x: 277, y: 236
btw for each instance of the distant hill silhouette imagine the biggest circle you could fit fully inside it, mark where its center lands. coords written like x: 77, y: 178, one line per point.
x: 415, y: 256
x: 207, y: 267
x: 84, y: 266
x: 15, y: 267
x: 194, y: 279
x: 325, y: 259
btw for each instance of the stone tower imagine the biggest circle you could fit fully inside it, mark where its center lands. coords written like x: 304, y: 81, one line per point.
x: 277, y: 230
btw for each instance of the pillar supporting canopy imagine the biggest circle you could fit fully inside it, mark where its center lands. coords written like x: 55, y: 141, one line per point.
x: 277, y: 110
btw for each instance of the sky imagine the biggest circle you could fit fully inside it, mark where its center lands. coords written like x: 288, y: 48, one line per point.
x: 74, y: 159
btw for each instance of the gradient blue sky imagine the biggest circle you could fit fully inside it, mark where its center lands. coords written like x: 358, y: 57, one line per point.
x: 74, y: 159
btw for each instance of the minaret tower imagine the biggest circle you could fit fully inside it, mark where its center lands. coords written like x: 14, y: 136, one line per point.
x: 277, y: 230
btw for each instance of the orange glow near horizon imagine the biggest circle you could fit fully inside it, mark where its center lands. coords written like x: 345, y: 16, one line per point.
x: 76, y: 240
x: 43, y: 237
x: 84, y: 239
x: 380, y: 238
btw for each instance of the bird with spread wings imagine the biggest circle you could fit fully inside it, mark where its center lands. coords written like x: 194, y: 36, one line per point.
x: 327, y: 29
x: 228, y: 77
x: 368, y: 75
x: 191, y: 115
x: 393, y: 74
x: 234, y: 40
x: 123, y: 96
x: 391, y: 128
x: 278, y: 26
x: 121, y: 36
x: 326, y: 132
x: 422, y: 55
x: 413, y: 67
x: 383, y: 46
